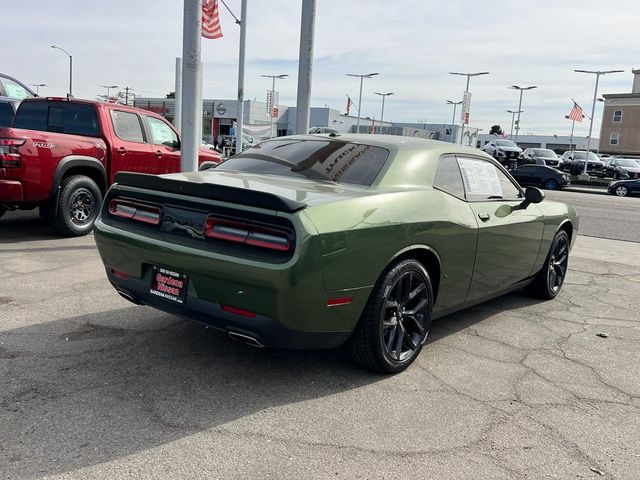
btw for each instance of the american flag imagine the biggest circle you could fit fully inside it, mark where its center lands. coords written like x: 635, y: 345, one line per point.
x: 576, y: 113
x: 210, y: 19
x: 349, y: 104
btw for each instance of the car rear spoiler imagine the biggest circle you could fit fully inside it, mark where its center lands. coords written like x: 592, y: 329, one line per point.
x: 210, y: 191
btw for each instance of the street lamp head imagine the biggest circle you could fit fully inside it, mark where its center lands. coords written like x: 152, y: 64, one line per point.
x: 384, y: 94
x: 475, y: 74
x: 365, y: 75
x: 599, y: 72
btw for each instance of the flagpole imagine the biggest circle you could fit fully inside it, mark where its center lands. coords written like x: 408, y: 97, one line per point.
x: 191, y: 85
x: 573, y: 125
x: 241, y: 56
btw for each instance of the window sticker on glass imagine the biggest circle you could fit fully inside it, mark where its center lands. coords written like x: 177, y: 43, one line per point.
x: 480, y: 178
x: 161, y: 133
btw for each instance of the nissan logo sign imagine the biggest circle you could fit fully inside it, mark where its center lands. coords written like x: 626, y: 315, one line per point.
x: 221, y: 108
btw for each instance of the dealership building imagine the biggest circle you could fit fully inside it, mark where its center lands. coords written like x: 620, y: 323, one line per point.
x: 220, y: 115
x: 620, y: 127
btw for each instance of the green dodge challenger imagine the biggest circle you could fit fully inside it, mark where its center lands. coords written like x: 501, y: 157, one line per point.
x: 315, y: 241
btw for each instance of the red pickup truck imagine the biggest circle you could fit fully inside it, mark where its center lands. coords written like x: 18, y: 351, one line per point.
x: 62, y: 154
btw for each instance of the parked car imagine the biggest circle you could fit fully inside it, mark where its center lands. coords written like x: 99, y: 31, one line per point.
x: 323, y: 130
x: 505, y: 151
x: 311, y: 242
x: 62, y: 154
x: 539, y: 156
x: 622, y: 168
x: 8, y: 107
x: 12, y: 87
x: 573, y: 162
x: 540, y: 175
x: 624, y: 188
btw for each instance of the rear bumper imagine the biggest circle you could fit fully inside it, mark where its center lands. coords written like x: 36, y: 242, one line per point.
x: 11, y: 191
x: 265, y: 330
x: 289, y: 299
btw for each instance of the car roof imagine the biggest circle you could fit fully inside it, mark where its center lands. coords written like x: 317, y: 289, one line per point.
x: 85, y: 101
x: 4, y: 75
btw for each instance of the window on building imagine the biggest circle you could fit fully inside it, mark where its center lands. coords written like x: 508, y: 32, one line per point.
x: 614, y: 138
x: 617, y: 116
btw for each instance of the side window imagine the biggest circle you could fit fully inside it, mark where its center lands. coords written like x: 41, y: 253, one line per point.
x: 162, y: 134
x: 74, y: 119
x: 14, y: 89
x: 448, y: 178
x: 6, y: 114
x: 484, y: 181
x: 127, y: 126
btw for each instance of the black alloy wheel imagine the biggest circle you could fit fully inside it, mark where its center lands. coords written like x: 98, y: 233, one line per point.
x: 549, y: 280
x: 78, y: 206
x: 551, y: 184
x: 403, y: 317
x: 81, y: 206
x: 396, y: 321
x: 558, y: 263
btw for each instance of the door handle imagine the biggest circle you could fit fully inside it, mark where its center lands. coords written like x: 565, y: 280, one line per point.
x: 158, y: 153
x: 122, y: 150
x: 483, y: 216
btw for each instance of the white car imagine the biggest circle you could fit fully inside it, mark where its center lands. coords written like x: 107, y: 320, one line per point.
x: 503, y: 150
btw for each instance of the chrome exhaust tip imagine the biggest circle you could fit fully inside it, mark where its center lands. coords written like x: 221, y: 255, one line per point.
x: 127, y: 296
x: 246, y: 339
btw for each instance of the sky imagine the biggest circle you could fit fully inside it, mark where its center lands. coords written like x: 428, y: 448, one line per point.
x: 413, y: 44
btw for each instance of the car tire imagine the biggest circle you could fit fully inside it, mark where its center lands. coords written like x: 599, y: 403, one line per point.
x: 396, y: 320
x: 78, y: 206
x: 549, y: 280
x: 621, y: 191
x: 551, y: 184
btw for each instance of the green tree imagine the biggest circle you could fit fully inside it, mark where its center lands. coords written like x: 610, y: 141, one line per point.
x: 495, y: 130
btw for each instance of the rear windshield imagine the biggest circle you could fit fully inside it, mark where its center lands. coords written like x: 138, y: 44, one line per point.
x: 320, y: 159
x: 60, y: 117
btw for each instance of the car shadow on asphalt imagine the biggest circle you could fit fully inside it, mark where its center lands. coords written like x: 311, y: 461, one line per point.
x: 25, y: 226
x: 81, y: 391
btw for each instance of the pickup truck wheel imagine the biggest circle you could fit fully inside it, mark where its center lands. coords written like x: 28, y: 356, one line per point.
x: 78, y: 206
x: 396, y: 321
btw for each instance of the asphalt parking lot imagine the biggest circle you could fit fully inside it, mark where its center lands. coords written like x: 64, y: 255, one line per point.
x: 94, y: 387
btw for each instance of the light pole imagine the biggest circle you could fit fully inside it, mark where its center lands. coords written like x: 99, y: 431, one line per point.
x: 70, y: 66
x: 453, y: 119
x: 522, y: 89
x: 597, y: 73
x: 273, y: 97
x: 466, y: 91
x: 108, y: 87
x: 513, y: 116
x: 38, y: 85
x: 383, y: 95
x: 362, y: 77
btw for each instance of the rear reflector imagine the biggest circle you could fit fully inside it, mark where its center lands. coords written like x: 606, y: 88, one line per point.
x: 335, y: 302
x: 135, y: 211
x: 247, y: 234
x: 120, y: 274
x: 239, y: 311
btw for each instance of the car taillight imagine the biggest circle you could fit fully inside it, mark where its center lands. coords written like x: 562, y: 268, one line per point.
x: 247, y: 234
x: 9, y: 156
x: 135, y: 211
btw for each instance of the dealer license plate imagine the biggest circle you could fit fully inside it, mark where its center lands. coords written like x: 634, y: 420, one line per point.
x: 168, y: 284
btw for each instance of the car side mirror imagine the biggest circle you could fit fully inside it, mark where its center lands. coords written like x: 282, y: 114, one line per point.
x: 533, y: 195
